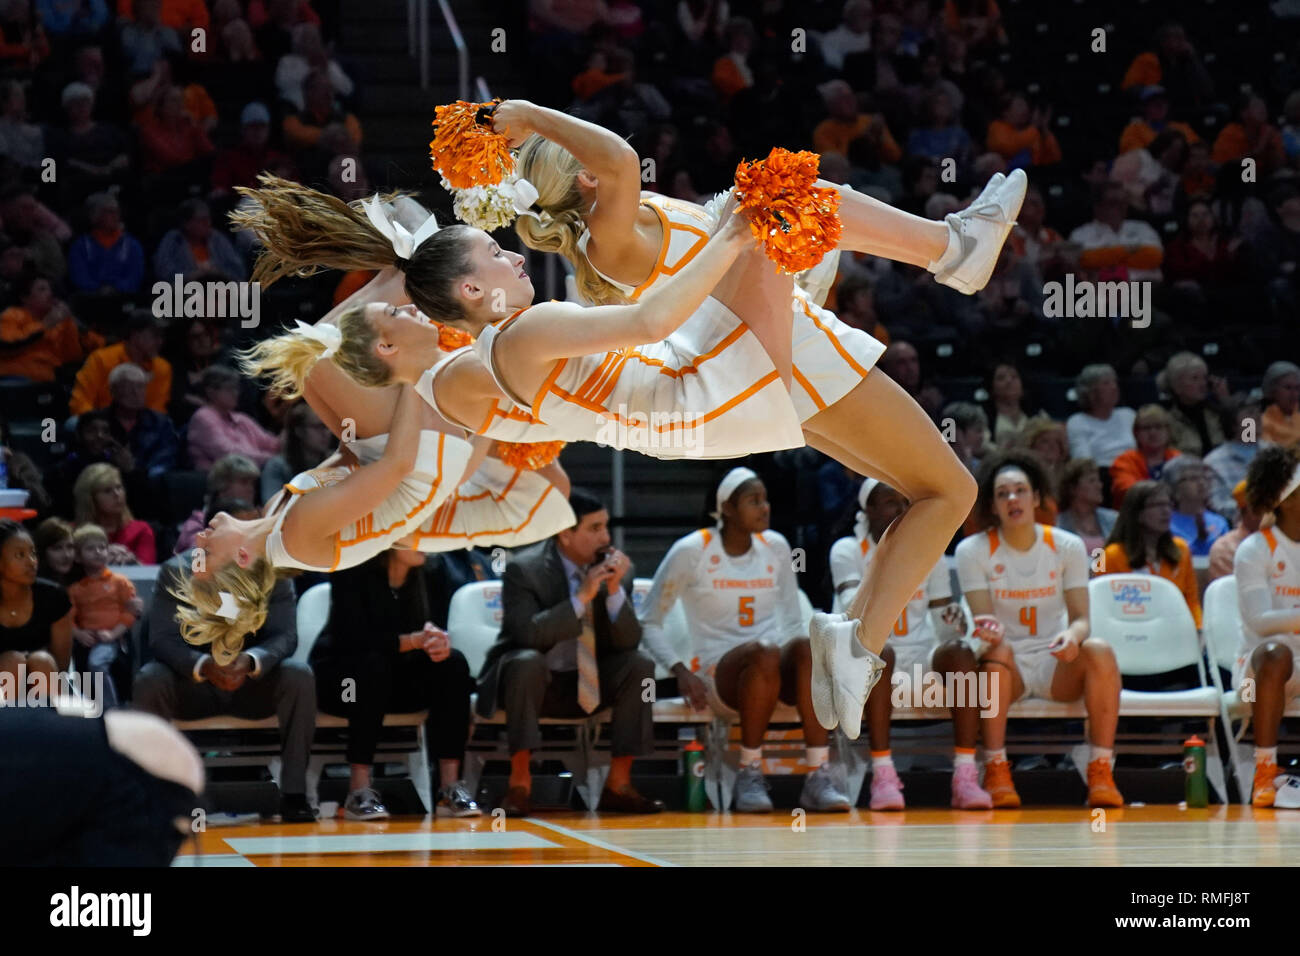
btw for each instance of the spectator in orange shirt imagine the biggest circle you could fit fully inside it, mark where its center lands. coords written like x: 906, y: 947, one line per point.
x: 1151, y: 430
x: 1142, y: 543
x: 1281, y: 389
x: 39, y: 335
x: 1175, y: 65
x: 845, y: 124
x: 104, y: 606
x: 1031, y: 238
x: 323, y: 129
x: 731, y: 71
x: 1251, y: 135
x: 1154, y: 120
x: 1224, y: 550
x: 140, y: 347
x: 182, y: 15
x: 170, y: 138
x: 23, y: 44
x: 1112, y: 241
x: 1022, y: 136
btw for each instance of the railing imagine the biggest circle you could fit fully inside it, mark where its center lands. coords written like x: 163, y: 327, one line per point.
x: 417, y: 26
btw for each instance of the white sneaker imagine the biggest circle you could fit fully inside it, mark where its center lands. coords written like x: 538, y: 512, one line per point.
x: 821, y: 639
x: 854, y: 672
x: 982, y: 229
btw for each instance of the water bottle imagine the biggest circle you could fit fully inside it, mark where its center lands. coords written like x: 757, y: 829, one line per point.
x: 4, y: 470
x: 1194, y: 764
x: 696, y: 798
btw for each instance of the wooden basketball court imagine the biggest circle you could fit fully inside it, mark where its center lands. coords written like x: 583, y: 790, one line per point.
x: 1160, y: 835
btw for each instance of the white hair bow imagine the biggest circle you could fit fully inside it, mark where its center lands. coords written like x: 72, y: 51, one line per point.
x: 523, y: 195
x: 403, y: 242
x: 327, y: 335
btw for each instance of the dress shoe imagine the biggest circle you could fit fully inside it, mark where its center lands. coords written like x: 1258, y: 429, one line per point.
x: 628, y: 801
x: 517, y: 802
x: 294, y: 808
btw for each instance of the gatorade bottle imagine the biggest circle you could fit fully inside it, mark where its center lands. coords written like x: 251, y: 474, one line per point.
x: 1194, y: 764
x: 696, y: 799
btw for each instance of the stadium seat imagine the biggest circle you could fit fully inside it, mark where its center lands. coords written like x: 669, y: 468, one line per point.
x: 22, y: 399
x: 1145, y: 619
x: 1223, y: 643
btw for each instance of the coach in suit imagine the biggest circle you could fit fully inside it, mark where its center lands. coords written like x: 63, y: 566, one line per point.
x: 567, y: 648
x: 184, y: 683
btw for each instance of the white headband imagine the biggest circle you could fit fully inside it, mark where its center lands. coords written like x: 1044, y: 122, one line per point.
x: 1291, y: 485
x: 327, y: 335
x: 403, y: 242
x: 727, y: 487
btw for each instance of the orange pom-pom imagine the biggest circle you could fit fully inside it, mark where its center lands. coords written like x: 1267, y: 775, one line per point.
x: 796, y: 220
x: 529, y: 455
x: 465, y: 150
x: 450, y: 339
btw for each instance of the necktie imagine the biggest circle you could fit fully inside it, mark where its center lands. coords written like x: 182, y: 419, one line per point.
x: 588, y: 673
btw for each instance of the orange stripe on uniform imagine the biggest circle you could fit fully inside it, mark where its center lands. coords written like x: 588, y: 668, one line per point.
x: 853, y: 363
x: 993, y: 541
x: 1047, y: 536
x: 807, y: 387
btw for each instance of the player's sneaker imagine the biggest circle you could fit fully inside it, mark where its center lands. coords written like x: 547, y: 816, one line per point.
x: 967, y: 794
x: 751, y: 791
x: 998, y: 784
x: 1264, y: 790
x: 981, y: 229
x: 821, y: 640
x: 886, y: 789
x: 821, y: 792
x: 854, y: 672
x: 1102, y: 791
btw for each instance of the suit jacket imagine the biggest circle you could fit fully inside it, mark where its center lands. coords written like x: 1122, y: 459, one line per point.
x: 276, y: 640
x: 538, y: 615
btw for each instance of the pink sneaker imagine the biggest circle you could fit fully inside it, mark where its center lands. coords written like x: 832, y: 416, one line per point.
x: 966, y: 791
x: 886, y: 789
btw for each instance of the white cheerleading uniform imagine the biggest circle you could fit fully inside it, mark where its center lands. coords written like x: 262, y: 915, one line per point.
x: 708, y: 391
x: 439, y: 464
x: 1028, y: 591
x: 914, y: 638
x: 727, y: 600
x: 829, y: 357
x: 496, y: 505
x: 1267, y: 571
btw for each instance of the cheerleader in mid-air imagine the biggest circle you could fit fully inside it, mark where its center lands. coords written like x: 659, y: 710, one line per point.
x: 457, y: 274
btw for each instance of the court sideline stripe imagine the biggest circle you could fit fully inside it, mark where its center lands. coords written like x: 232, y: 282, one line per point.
x: 601, y: 844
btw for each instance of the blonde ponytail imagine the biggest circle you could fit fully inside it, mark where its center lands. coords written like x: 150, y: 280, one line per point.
x: 199, y: 603
x: 288, y: 359
x: 303, y: 231
x: 553, y: 170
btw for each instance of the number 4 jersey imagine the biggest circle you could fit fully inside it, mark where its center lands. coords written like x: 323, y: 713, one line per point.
x: 1028, y: 587
x: 727, y: 600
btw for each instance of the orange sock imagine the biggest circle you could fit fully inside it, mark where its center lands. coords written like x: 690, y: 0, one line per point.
x: 520, y: 775
x: 620, y: 774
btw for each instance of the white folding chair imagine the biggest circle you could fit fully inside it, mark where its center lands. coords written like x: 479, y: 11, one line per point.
x: 1222, y: 641
x: 313, y: 614
x: 474, y: 620
x: 1147, y: 622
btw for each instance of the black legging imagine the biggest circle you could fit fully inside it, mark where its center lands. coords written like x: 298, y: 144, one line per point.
x: 397, y: 684
x: 69, y: 799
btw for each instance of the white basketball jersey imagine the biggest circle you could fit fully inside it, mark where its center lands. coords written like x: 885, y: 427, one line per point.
x: 727, y: 600
x: 1028, y: 587
x: 1269, y: 560
x: 913, y: 627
